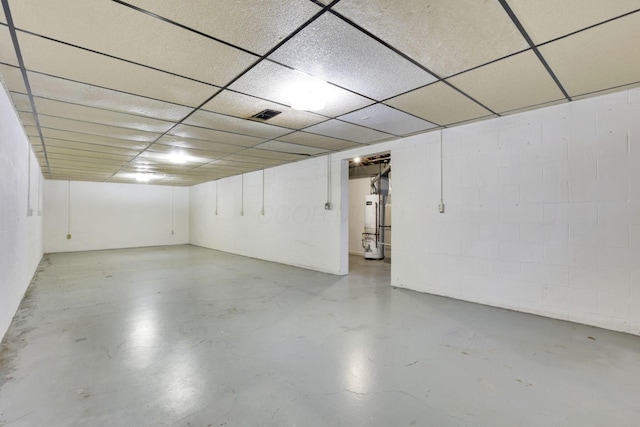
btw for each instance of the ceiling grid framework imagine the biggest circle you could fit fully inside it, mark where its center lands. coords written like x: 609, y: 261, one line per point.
x: 108, y: 90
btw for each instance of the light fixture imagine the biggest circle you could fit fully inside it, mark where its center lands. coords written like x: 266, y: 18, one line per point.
x: 357, y: 159
x: 178, y: 157
x: 310, y: 95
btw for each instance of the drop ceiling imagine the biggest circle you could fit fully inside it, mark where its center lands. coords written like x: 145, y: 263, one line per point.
x: 107, y: 90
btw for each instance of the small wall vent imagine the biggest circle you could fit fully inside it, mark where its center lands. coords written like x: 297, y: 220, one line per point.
x: 266, y: 114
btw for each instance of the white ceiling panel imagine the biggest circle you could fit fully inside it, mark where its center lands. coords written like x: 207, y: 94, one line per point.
x: 215, y: 136
x: 96, y: 115
x: 603, y: 57
x: 267, y: 154
x: 245, y: 106
x: 133, y: 36
x: 440, y: 104
x: 60, y: 60
x: 27, y: 119
x: 7, y: 53
x: 96, y: 129
x: 53, y: 142
x: 93, y: 139
x: 337, y: 52
x: 445, y: 36
x: 266, y: 23
x: 386, y: 119
x: 339, y: 129
x: 319, y: 141
x: 286, y: 147
x: 277, y: 83
x: 93, y: 96
x: 21, y: 101
x: 510, y: 83
x: 198, y: 144
x: 236, y: 125
x: 12, y: 78
x: 545, y: 20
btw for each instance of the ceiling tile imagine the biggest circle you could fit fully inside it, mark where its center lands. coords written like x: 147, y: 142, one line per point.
x: 456, y: 35
x: 60, y: 60
x: 277, y: 83
x: 93, y: 139
x: 92, y: 96
x: 215, y: 136
x: 95, y: 115
x: 264, y: 25
x: 235, y: 125
x: 545, y: 20
x: 96, y: 129
x: 386, y: 119
x: 603, y: 57
x: 7, y: 52
x: 318, y: 141
x: 83, y: 153
x: 162, y: 154
x: 286, y: 147
x: 337, y: 52
x: 338, y: 129
x: 134, y: 36
x: 21, y: 101
x: 515, y: 82
x: 52, y: 142
x: 197, y: 144
x: 440, y: 104
x: 12, y: 78
x: 259, y: 161
x: 31, y: 131
x: 266, y: 154
x: 27, y: 119
x: 245, y: 106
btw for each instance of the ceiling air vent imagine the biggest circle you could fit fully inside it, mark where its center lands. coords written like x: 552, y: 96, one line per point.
x: 266, y: 114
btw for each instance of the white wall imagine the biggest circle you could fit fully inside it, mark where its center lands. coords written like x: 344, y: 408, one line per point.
x: 295, y: 228
x: 20, y: 234
x: 542, y: 212
x: 358, y: 188
x: 110, y: 215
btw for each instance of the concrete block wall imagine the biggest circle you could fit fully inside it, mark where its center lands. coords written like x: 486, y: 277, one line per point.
x: 542, y: 212
x: 110, y: 215
x: 20, y: 229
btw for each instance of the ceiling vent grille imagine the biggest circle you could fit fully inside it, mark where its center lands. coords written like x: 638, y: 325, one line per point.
x: 266, y: 114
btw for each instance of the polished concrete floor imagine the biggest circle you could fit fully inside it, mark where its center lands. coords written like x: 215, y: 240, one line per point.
x: 193, y: 337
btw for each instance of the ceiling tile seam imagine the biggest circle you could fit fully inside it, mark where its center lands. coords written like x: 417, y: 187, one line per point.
x: 86, y: 49
x: 108, y: 88
x: 18, y: 52
x: 624, y: 15
x: 534, y: 106
x: 490, y: 62
x: 249, y: 68
x: 394, y: 108
x: 184, y: 27
x: 535, y: 49
x: 90, y: 143
x: 89, y: 134
x: 97, y: 123
x: 79, y: 151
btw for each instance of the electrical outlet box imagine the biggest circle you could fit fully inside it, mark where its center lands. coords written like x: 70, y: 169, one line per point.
x: 68, y: 236
x: 441, y: 208
x: 327, y: 206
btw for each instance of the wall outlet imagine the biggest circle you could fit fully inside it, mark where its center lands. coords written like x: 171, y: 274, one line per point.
x: 327, y: 206
x: 68, y: 236
x: 441, y: 208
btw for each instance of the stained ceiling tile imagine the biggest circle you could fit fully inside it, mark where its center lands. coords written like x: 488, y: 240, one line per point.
x: 601, y: 58
x: 264, y: 25
x: 509, y: 84
x: 286, y: 147
x: 60, y: 60
x: 440, y: 104
x: 445, y: 36
x: 96, y: 115
x: 277, y: 83
x: 134, y: 36
x: 236, y: 125
x: 198, y: 144
x: 546, y: 20
x: 318, y: 141
x: 21, y: 101
x: 335, y: 51
x: 12, y: 78
x: 386, y: 119
x: 338, y: 129
x: 7, y: 53
x: 215, y: 136
x: 92, y: 96
x: 96, y: 129
x: 245, y: 106
x: 94, y: 139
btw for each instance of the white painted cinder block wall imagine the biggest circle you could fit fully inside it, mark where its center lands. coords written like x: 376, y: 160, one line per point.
x: 20, y: 233
x: 542, y: 212
x: 111, y: 215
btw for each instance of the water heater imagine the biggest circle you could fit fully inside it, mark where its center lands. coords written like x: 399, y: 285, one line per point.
x: 373, y: 235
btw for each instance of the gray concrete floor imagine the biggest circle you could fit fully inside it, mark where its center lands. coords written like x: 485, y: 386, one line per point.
x: 189, y: 336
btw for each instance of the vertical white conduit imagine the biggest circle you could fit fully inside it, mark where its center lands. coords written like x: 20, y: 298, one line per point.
x: 242, y: 196
x: 441, y: 206
x: 262, y: 212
